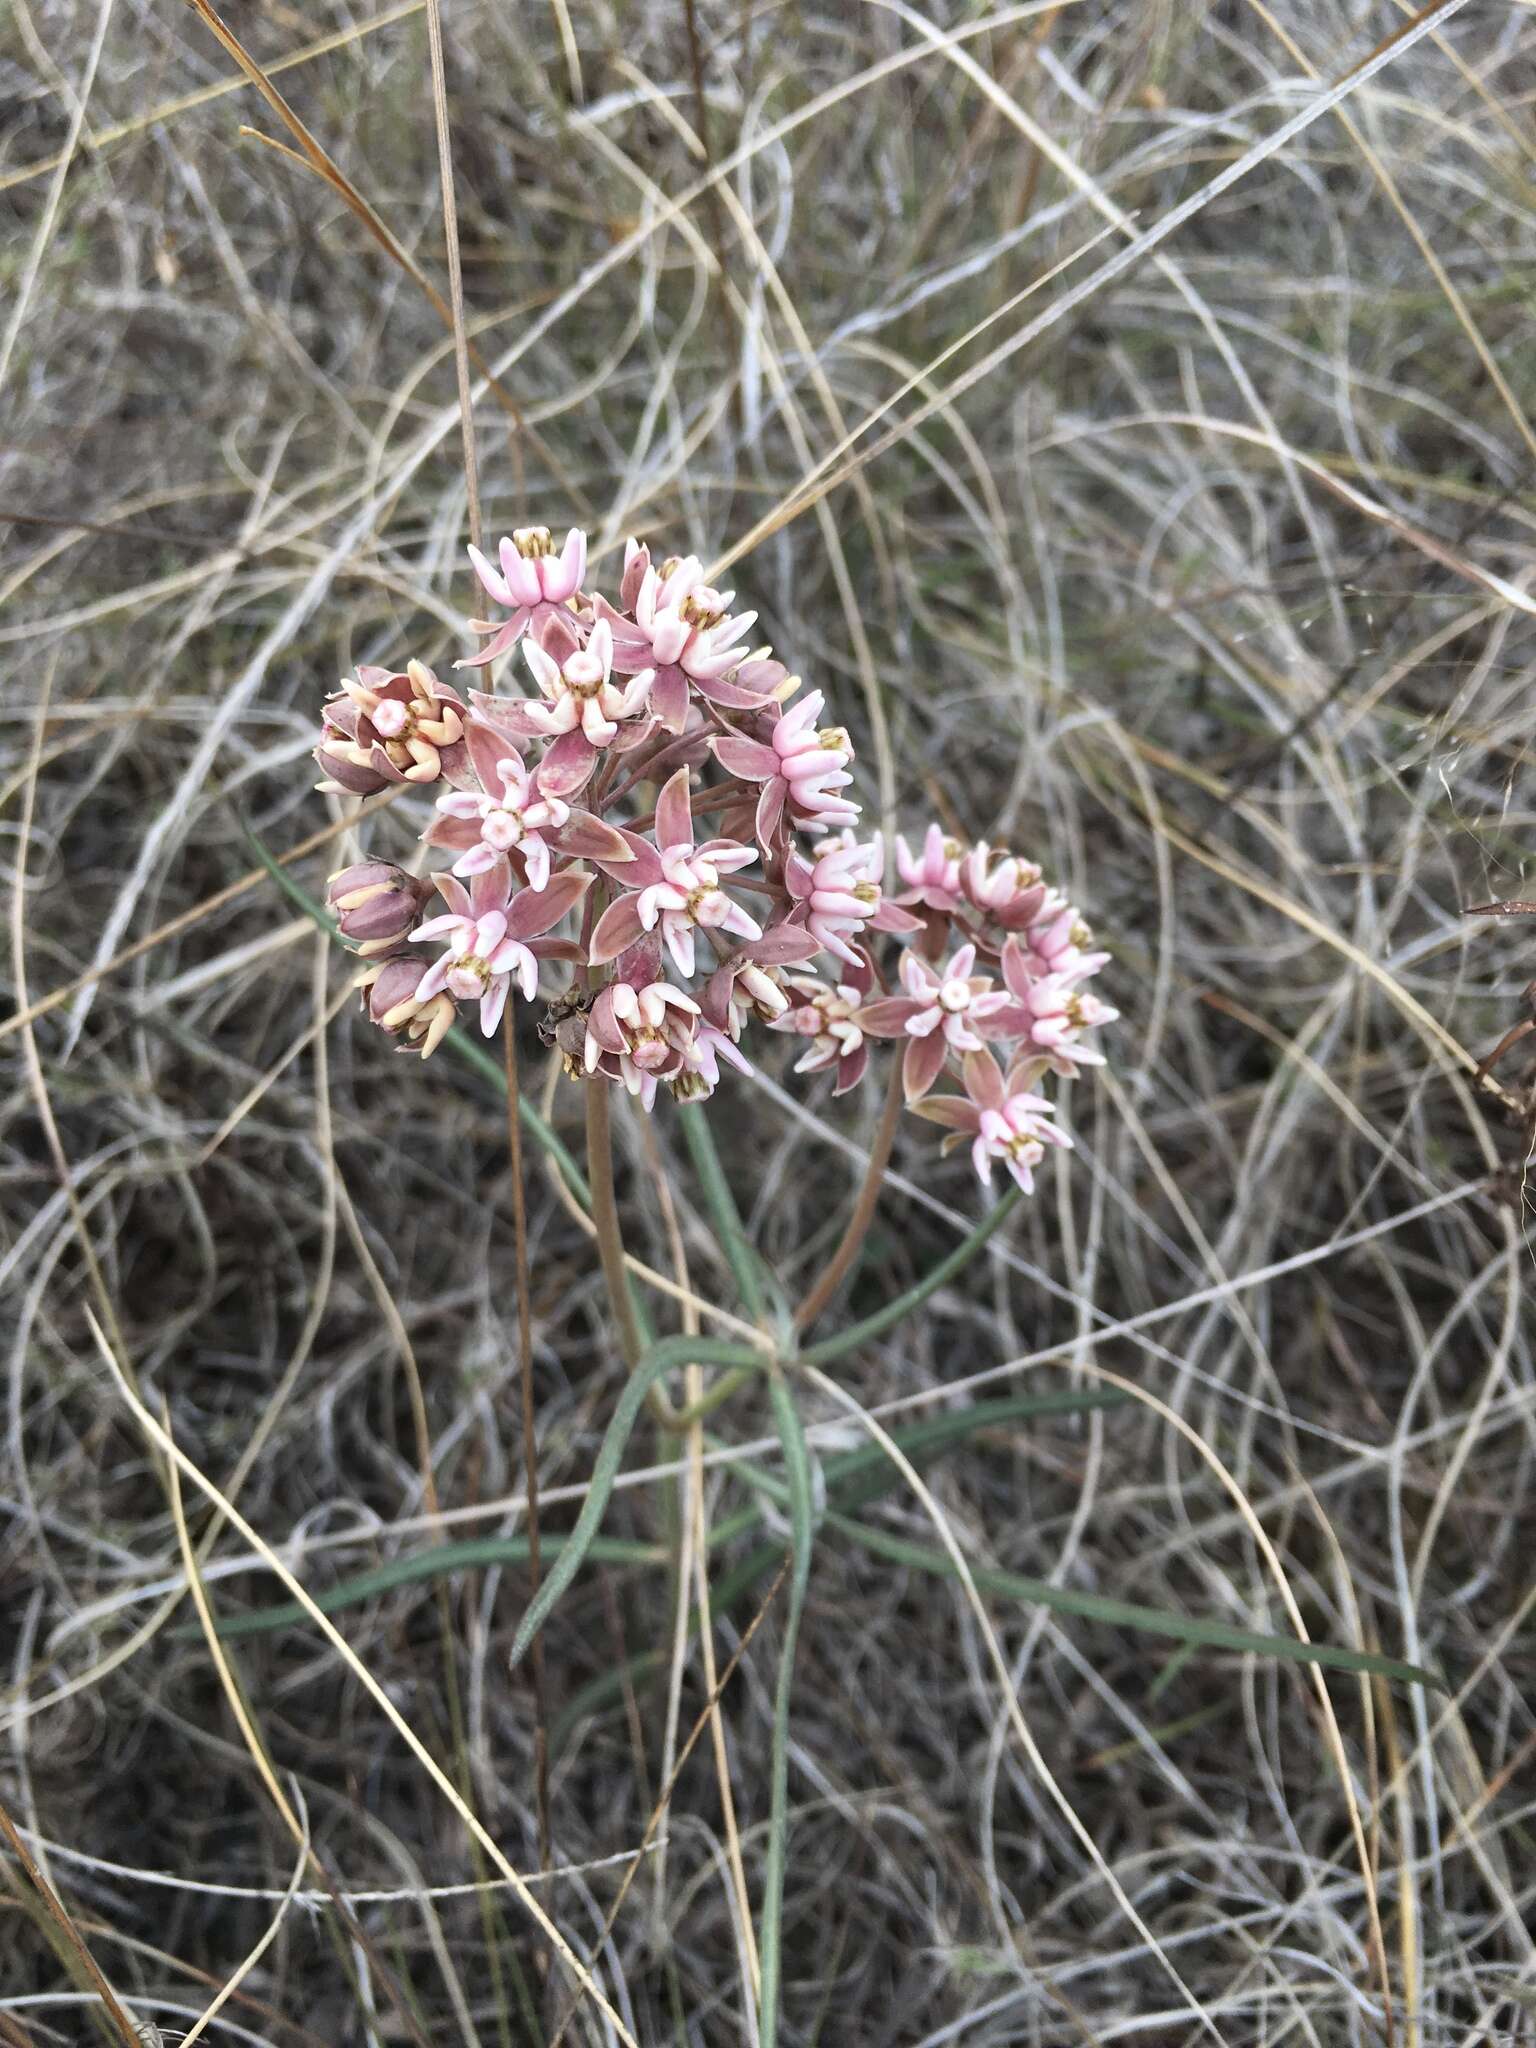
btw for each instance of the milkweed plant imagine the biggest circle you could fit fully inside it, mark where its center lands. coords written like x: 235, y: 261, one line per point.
x: 656, y: 841
x: 659, y: 844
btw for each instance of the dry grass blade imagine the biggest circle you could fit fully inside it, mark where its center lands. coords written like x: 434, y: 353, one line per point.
x: 69, y: 1934
x: 316, y: 158
x: 101, y: 139
x: 1151, y: 382
x: 184, y: 921
x: 166, y: 1444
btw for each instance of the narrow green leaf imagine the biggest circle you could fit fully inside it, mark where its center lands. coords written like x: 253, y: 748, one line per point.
x: 739, y: 1254
x: 662, y: 1358
x: 852, y: 1479
x: 862, y: 1475
x: 473, y: 1554
x: 1157, y: 1621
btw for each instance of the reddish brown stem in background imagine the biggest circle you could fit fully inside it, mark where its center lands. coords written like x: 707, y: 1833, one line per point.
x: 863, y: 1209
x: 530, y: 1437
x: 88, y: 1963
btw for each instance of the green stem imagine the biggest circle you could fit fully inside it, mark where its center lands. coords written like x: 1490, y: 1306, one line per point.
x: 739, y: 1254
x: 667, y: 1356
x: 605, y: 1215
x: 797, y: 1472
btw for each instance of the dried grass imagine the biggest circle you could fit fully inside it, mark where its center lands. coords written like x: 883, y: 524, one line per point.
x: 1135, y: 441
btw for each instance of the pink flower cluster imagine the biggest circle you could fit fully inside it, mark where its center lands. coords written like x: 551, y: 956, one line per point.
x: 658, y: 815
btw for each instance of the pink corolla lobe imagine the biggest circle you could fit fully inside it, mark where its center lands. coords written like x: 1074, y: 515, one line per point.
x: 681, y: 629
x: 533, y: 581
x: 491, y: 933
x: 940, y: 1014
x: 665, y: 823
x: 1002, y: 1115
x: 833, y: 1016
x: 800, y: 765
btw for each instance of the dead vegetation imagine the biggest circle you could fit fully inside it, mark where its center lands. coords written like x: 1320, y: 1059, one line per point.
x: 1139, y: 447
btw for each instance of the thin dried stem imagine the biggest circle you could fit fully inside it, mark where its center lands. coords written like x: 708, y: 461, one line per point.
x: 706, y: 1717
x: 68, y: 1931
x: 455, y: 264
x: 186, y: 919
x: 530, y: 1431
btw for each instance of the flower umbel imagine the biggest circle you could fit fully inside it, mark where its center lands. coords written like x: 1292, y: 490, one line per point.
x: 670, y: 936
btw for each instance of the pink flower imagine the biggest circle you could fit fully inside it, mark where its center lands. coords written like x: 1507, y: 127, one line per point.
x: 580, y: 707
x: 512, y: 819
x: 933, y: 877
x: 1049, y: 1012
x: 580, y: 692
x: 638, y: 1025
x: 690, y: 894
x: 1003, y: 887
x: 1059, y: 1014
x: 675, y: 886
x: 664, y: 676
x: 1017, y: 1132
x: 830, y: 1017
x: 376, y: 903
x: 952, y: 1001
x: 533, y: 580
x: 702, y: 1054
x: 385, y: 728
x: 939, y: 1014
x: 487, y: 931
x: 1004, y: 1119
x: 682, y: 629
x: 799, y: 766
x: 750, y: 983
x: 1060, y: 944
x: 392, y: 998
x: 838, y: 893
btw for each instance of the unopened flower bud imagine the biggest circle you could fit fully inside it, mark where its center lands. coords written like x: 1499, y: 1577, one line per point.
x: 390, y: 998
x: 376, y: 903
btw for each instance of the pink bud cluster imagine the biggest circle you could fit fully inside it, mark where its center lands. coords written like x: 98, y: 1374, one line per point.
x: 658, y: 817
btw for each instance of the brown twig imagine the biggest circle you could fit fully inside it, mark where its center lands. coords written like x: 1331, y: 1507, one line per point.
x: 69, y: 1931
